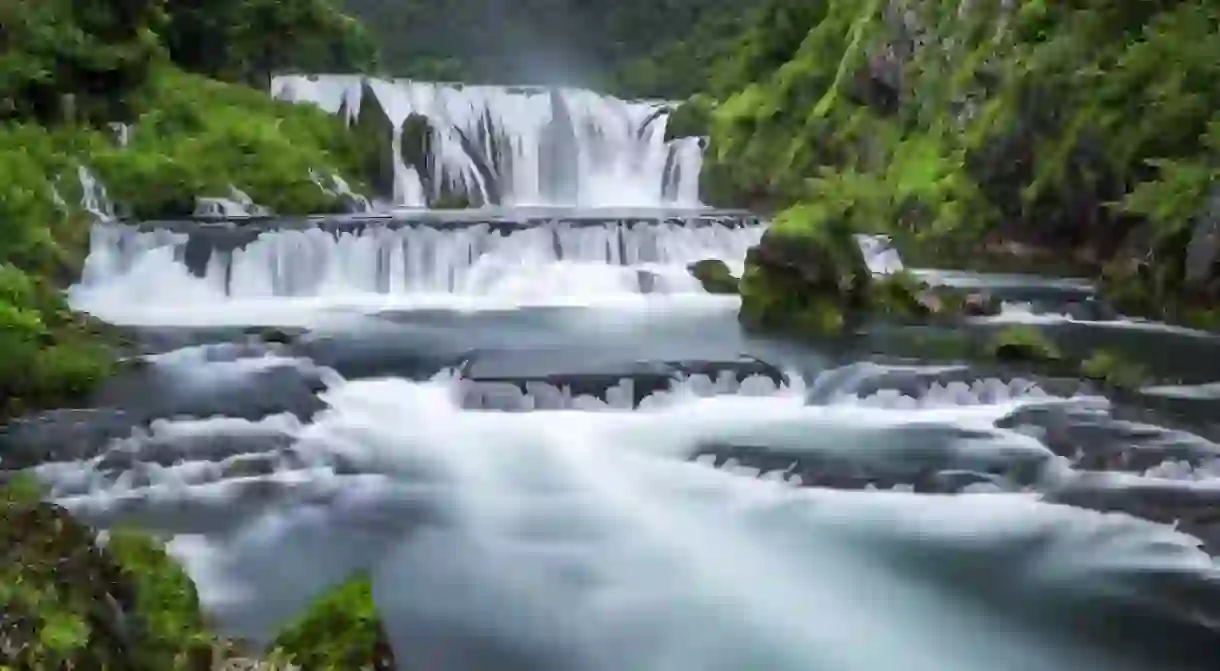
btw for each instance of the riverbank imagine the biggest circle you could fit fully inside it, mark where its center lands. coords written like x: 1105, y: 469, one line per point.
x: 993, y: 126
x: 158, y: 138
x: 76, y: 599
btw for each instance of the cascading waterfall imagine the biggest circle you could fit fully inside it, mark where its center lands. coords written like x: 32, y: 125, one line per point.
x: 521, y: 146
x: 557, y: 261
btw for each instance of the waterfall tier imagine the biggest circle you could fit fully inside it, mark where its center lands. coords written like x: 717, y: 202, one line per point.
x: 511, y: 146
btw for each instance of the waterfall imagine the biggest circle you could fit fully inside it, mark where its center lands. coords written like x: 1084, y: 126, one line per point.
x: 94, y: 198
x: 518, y: 146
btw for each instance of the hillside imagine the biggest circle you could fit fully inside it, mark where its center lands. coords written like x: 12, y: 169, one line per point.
x: 76, y: 67
x: 537, y: 41
x: 1084, y: 134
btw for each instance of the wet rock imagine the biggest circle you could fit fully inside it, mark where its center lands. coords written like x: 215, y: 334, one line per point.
x: 276, y: 335
x: 647, y: 280
x: 804, y: 277
x: 1023, y: 344
x: 373, y: 130
x: 559, y: 154
x: 956, y: 481
x: 715, y: 276
x: 981, y: 304
x: 61, y: 435
x: 248, y: 466
x: 1193, y: 507
x: 517, y: 385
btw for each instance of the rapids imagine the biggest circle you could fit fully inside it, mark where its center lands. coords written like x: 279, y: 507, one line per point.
x: 552, y: 450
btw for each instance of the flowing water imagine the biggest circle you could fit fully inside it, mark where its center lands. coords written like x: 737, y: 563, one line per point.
x: 520, y: 146
x: 552, y: 450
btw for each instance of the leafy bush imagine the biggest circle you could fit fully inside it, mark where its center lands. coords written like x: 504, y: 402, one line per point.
x: 340, y: 631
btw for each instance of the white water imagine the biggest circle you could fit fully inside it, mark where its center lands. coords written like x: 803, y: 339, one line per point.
x: 290, y: 275
x: 621, y: 156
x: 580, y: 540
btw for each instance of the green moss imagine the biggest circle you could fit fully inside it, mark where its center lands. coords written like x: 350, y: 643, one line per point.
x: 1114, y: 370
x: 200, y: 136
x: 341, y: 630
x: 164, y: 595
x: 715, y: 276
x: 903, y: 296
x: 692, y: 118
x: 1023, y: 344
x: 1053, y: 125
x: 68, y: 601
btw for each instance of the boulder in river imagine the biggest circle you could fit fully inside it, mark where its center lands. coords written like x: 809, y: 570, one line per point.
x: 715, y: 276
x: 806, y: 275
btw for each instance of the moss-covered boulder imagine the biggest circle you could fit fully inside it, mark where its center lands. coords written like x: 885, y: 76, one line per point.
x: 340, y: 631
x: 1023, y: 344
x: 70, y: 601
x: 806, y: 275
x: 715, y: 276
x: 692, y: 118
x: 1114, y: 370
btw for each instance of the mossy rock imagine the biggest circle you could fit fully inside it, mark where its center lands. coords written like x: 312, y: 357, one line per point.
x: 65, y: 602
x: 1023, y: 344
x: 715, y: 276
x: 692, y: 118
x: 903, y: 296
x: 71, y: 601
x: 340, y: 631
x: 1113, y: 370
x: 807, y: 274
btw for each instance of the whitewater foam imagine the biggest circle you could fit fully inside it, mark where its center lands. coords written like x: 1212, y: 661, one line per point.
x: 519, y: 146
x: 296, y: 276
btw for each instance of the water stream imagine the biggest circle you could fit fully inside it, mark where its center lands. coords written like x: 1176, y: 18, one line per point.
x: 553, y: 450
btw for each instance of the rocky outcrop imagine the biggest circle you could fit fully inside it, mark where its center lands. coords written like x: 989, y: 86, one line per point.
x: 373, y: 129
x: 804, y: 277
x: 715, y: 276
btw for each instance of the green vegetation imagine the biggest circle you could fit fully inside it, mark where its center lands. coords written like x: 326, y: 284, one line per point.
x: 715, y: 276
x: 1023, y: 344
x: 599, y: 43
x: 1113, y: 370
x: 68, y: 600
x: 339, y: 631
x: 1085, y: 131
x: 72, y: 67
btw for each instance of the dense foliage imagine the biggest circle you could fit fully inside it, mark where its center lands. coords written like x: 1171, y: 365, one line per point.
x: 72, y: 600
x: 70, y: 69
x: 542, y: 41
x: 1084, y: 129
